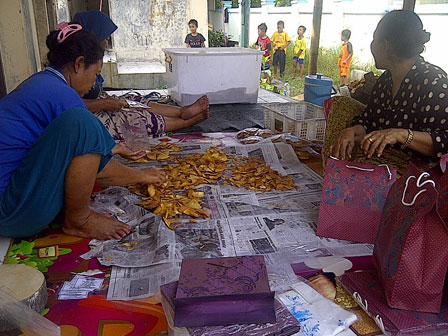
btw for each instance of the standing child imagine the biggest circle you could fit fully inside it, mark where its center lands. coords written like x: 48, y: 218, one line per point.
x: 345, y: 57
x: 264, y: 44
x: 280, y: 41
x: 300, y: 51
x: 194, y: 39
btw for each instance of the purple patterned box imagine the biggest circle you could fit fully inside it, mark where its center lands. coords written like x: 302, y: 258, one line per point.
x: 222, y: 291
x: 286, y: 324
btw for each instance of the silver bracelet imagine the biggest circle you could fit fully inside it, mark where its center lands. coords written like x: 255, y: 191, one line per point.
x: 409, y: 139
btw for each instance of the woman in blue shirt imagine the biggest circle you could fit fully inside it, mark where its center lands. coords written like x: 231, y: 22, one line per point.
x: 52, y: 149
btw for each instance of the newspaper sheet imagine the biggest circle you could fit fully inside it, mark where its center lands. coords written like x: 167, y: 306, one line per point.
x: 280, y: 225
x: 148, y: 244
x: 131, y: 283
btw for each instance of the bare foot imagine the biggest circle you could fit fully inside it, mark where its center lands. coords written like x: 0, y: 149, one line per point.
x: 96, y: 226
x: 199, y: 106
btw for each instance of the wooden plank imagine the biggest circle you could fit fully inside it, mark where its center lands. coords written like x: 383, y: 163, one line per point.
x: 3, y: 90
x: 315, y: 36
x: 5, y: 244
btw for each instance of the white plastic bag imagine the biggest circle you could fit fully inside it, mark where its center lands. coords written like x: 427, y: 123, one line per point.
x: 317, y: 315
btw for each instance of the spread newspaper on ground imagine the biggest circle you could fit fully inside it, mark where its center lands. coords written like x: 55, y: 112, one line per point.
x: 280, y: 225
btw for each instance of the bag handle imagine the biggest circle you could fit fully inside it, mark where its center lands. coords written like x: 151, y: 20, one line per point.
x: 366, y: 169
x: 419, y: 185
x: 364, y: 305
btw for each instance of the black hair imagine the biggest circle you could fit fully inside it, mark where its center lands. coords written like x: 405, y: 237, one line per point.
x: 304, y: 28
x: 193, y: 21
x: 81, y: 43
x: 263, y: 27
x: 281, y: 23
x: 404, y: 31
x: 346, y: 33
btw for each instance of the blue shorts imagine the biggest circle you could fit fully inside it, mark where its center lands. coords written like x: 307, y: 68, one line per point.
x: 265, y: 66
x: 299, y: 60
x: 35, y: 193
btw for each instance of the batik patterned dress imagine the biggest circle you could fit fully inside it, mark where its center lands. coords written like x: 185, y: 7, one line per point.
x: 127, y: 121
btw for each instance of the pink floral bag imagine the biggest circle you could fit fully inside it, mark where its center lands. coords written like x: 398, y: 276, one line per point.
x: 411, y: 253
x: 352, y: 200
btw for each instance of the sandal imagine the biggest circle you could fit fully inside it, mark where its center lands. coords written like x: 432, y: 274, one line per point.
x: 153, y: 96
x: 164, y: 99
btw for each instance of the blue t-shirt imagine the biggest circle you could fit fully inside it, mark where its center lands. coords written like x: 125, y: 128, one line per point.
x: 26, y: 112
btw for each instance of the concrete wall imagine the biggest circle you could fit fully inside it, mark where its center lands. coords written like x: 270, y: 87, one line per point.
x: 360, y: 16
x: 147, y: 26
x: 18, y: 41
x: 62, y: 11
x: 42, y: 28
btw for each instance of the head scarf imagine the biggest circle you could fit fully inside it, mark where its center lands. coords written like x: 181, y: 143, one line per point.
x: 97, y: 23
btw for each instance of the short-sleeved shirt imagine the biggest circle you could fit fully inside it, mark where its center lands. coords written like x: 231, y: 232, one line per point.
x: 421, y: 104
x: 300, y: 44
x: 26, y: 112
x: 265, y: 45
x: 280, y: 39
x: 346, y: 49
x: 195, y: 41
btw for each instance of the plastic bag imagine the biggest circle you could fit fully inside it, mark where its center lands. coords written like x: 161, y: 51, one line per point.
x: 318, y: 315
x: 136, y: 136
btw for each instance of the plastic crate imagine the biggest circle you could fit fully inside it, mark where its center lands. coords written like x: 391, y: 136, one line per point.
x: 297, y: 111
x: 302, y: 119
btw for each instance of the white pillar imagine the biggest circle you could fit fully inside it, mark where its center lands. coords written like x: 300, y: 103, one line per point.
x: 239, y: 18
x: 295, y: 17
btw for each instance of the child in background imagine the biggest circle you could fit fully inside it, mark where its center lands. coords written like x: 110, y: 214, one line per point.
x: 194, y: 39
x: 299, y: 51
x: 264, y: 44
x: 345, y: 57
x: 280, y: 41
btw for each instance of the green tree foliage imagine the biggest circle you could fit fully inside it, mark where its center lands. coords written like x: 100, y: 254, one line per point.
x: 253, y: 3
x: 282, y: 3
x: 217, y: 38
x: 218, y: 3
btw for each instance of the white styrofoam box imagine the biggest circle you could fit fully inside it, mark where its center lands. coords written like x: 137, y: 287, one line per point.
x: 302, y: 119
x: 225, y: 75
x: 356, y: 74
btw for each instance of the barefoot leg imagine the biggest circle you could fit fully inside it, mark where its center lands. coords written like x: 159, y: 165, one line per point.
x: 200, y: 106
x: 79, y: 219
x: 166, y: 110
x: 173, y: 124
